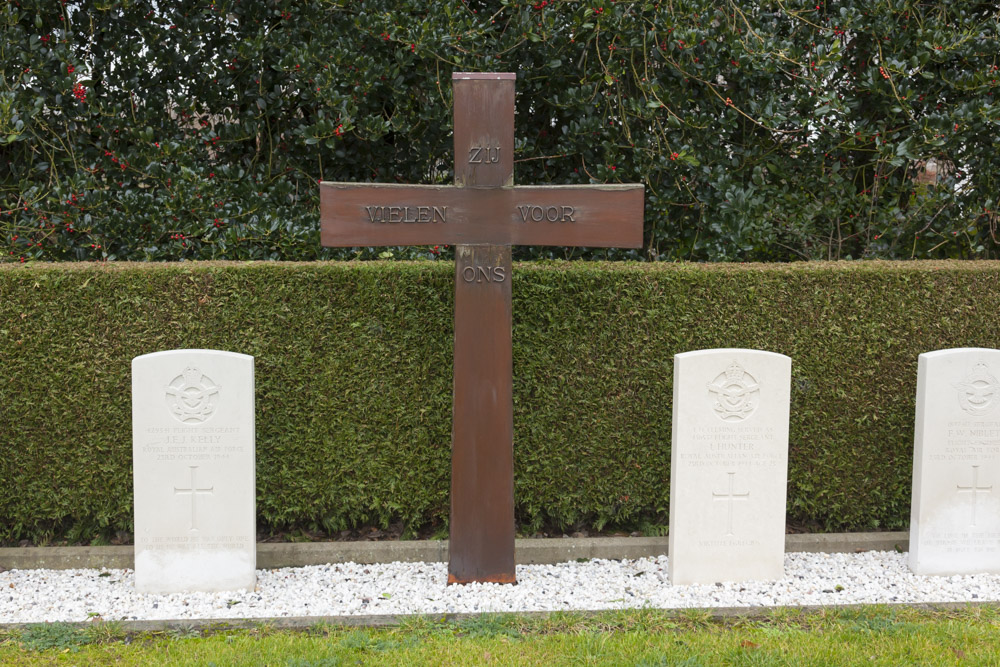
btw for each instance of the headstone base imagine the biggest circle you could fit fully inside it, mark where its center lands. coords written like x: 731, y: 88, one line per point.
x: 209, y: 570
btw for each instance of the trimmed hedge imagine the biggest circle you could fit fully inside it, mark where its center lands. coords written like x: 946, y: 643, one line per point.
x: 354, y: 382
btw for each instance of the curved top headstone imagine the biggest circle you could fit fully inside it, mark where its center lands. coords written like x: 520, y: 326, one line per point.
x: 193, y: 469
x: 955, y: 511
x: 728, y: 466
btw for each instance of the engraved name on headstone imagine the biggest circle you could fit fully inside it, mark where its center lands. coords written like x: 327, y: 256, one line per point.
x: 955, y: 512
x: 728, y: 466
x: 484, y: 214
x: 193, y: 469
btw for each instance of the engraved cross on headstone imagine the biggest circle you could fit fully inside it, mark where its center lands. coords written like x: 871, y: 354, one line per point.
x: 483, y: 215
x: 730, y: 497
x: 975, y: 490
x: 193, y: 491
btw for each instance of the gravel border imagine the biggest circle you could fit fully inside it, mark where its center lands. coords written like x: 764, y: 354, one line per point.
x: 380, y: 594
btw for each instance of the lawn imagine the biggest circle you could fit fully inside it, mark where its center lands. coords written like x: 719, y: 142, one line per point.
x: 835, y: 636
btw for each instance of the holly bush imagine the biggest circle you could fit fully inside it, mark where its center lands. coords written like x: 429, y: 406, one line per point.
x: 765, y: 130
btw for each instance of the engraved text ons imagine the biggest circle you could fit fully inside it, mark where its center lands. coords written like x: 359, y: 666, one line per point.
x: 484, y: 274
x: 407, y: 213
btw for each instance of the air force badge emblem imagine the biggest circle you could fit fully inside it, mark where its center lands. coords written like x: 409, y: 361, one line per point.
x: 979, y: 391
x: 192, y: 397
x: 736, y: 393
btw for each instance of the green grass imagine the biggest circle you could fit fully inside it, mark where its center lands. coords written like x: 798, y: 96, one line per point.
x: 874, y: 635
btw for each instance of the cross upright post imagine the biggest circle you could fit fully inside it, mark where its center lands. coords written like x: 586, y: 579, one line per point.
x: 481, y: 547
x: 482, y: 215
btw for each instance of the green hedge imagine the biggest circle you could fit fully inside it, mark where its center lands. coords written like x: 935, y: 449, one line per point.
x: 354, y: 382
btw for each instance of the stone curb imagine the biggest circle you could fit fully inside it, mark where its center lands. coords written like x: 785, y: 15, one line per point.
x: 390, y: 620
x: 527, y: 551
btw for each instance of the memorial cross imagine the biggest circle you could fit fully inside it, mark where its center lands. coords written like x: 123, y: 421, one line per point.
x: 482, y: 215
x: 730, y: 497
x: 193, y: 491
x: 975, y: 489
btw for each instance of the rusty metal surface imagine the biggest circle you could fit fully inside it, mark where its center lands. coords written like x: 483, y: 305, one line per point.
x: 366, y: 214
x: 482, y: 457
x: 489, y: 76
x: 482, y: 215
x: 484, y: 129
x: 481, y: 546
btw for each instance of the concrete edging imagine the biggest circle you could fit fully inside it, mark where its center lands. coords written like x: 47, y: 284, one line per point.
x: 391, y: 620
x: 527, y: 551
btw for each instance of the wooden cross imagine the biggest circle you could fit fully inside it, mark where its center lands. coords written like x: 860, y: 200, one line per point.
x: 482, y: 215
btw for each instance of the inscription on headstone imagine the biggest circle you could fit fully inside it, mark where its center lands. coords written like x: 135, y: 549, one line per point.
x: 193, y: 469
x: 955, y: 512
x: 728, y: 466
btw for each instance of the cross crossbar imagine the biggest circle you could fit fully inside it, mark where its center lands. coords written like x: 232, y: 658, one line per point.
x: 370, y: 214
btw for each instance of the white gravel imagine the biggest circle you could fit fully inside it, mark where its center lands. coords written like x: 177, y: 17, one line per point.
x: 347, y: 589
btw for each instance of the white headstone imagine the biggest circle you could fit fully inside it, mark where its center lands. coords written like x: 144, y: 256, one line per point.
x: 955, y: 513
x: 728, y: 466
x: 193, y: 468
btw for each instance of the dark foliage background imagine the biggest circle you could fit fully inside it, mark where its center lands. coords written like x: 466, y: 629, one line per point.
x: 765, y: 130
x: 353, y: 382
